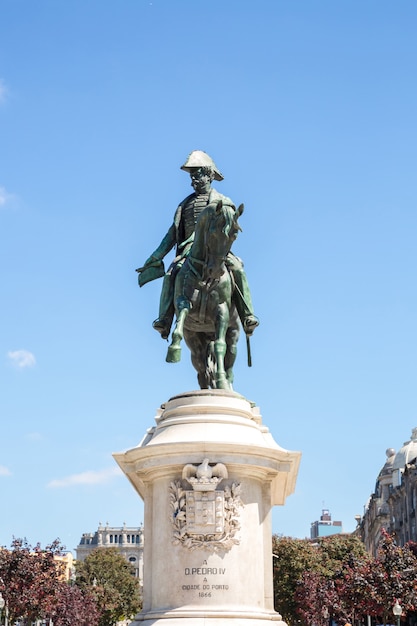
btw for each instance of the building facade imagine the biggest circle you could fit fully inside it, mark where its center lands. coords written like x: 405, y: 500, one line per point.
x: 325, y: 527
x: 393, y: 504
x: 127, y: 540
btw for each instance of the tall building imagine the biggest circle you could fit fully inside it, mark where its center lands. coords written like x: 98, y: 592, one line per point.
x: 127, y: 540
x: 377, y: 512
x: 393, y: 504
x: 325, y: 527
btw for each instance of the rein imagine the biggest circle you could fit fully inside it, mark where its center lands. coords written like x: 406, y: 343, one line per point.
x: 191, y: 260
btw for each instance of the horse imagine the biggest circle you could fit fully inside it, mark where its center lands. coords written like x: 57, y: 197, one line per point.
x: 205, y: 314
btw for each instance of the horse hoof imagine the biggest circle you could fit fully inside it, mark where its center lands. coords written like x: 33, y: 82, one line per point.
x: 174, y: 355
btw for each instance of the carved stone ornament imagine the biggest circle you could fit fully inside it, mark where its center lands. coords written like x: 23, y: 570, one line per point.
x: 205, y: 517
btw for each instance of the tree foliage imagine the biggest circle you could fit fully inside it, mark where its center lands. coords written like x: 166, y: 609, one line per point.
x: 338, y: 549
x: 33, y: 586
x: 110, y: 578
x: 294, y: 558
x: 291, y: 558
x: 348, y: 584
x: 30, y: 579
x: 392, y: 576
x: 75, y: 606
x: 314, y: 595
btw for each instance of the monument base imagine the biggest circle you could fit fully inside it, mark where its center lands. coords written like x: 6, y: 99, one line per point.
x: 215, y: 618
x: 209, y: 473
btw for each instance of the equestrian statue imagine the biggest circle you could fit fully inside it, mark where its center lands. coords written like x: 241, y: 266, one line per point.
x: 205, y: 286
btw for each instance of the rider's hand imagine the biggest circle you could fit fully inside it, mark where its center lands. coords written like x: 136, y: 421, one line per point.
x: 152, y: 259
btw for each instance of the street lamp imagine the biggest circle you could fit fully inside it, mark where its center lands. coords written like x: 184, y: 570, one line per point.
x: 2, y: 603
x: 397, y: 610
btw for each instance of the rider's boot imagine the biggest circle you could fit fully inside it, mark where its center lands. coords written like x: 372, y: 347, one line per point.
x: 163, y: 326
x: 243, y: 302
x: 163, y: 322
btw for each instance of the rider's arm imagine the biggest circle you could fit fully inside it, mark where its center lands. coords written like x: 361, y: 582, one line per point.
x: 167, y: 243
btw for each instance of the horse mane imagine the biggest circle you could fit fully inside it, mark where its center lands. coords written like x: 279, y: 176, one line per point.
x: 230, y: 220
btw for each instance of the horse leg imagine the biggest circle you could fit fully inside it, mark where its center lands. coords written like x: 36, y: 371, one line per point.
x: 220, y: 351
x: 231, y: 352
x: 174, y: 350
x: 232, y: 337
x: 197, y: 343
x: 222, y: 322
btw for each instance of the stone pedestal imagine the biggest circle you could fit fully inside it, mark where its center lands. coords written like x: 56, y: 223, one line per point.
x: 209, y: 473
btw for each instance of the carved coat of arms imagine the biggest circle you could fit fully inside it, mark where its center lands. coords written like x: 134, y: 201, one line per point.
x: 205, y: 516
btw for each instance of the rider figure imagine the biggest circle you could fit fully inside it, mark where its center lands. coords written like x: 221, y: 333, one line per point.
x: 202, y: 170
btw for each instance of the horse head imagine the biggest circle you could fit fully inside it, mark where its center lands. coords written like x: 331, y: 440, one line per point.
x: 221, y: 230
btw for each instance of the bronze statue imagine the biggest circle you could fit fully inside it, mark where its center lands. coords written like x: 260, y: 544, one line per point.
x: 208, y: 206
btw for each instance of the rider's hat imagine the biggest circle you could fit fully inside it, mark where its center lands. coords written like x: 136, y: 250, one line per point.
x: 198, y: 158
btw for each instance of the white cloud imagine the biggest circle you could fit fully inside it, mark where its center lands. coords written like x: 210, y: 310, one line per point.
x: 8, y: 199
x: 4, y: 196
x: 4, y: 471
x: 22, y: 358
x: 87, y: 478
x: 3, y: 91
x: 34, y: 436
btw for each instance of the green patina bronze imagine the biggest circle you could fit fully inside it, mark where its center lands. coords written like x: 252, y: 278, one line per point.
x: 201, y: 276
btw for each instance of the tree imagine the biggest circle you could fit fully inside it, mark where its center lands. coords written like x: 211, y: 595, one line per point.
x: 342, y: 562
x: 110, y: 578
x: 358, y: 585
x: 75, y: 606
x: 392, y: 576
x: 336, y: 550
x: 352, y: 586
x: 33, y: 585
x: 30, y: 579
x: 305, y: 576
x: 291, y: 558
x: 316, y: 599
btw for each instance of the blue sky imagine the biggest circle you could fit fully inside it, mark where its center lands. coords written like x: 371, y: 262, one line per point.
x: 309, y: 110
